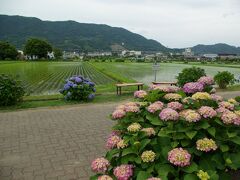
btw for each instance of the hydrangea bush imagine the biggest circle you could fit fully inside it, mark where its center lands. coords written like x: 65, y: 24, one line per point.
x: 171, y: 133
x: 78, y: 88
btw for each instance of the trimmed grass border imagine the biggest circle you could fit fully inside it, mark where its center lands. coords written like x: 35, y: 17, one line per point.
x: 57, y: 100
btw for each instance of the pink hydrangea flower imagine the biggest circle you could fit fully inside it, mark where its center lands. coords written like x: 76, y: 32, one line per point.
x: 120, y: 107
x: 206, y: 80
x: 193, y: 87
x: 173, y: 97
x: 104, y: 177
x: 207, y: 112
x: 156, y: 106
x: 169, y: 114
x: 222, y: 110
x: 154, y: 178
x: 190, y: 115
x: 123, y: 172
x: 112, y: 141
x: 140, y: 94
x: 175, y: 106
x: 230, y: 118
x: 206, y: 145
x: 226, y: 104
x: 179, y: 157
x: 216, y: 97
x: 118, y: 114
x: 132, y: 107
x: 100, y: 165
x: 167, y: 89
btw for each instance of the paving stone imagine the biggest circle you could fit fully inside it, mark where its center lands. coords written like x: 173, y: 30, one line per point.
x: 53, y: 143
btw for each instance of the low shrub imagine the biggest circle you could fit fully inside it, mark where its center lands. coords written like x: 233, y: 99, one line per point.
x: 180, y: 135
x: 224, y: 78
x: 11, y: 91
x: 189, y: 75
x: 78, y: 88
x: 237, y: 99
x: 120, y: 60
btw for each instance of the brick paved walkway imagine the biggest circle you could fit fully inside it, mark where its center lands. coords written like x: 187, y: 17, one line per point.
x: 52, y: 143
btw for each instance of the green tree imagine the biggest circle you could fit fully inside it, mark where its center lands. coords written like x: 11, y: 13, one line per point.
x: 57, y: 53
x: 190, y: 75
x: 224, y: 78
x: 37, y: 47
x: 7, y: 51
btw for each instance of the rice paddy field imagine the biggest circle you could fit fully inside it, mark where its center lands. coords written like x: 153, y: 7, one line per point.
x: 42, y: 78
x: 49, y: 77
x: 143, y: 72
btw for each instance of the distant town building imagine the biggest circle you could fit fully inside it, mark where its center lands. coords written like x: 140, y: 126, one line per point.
x: 161, y: 56
x: 99, y: 54
x: 210, y: 56
x: 188, y: 53
x: 127, y: 53
x: 70, y: 55
x: 50, y: 55
x: 227, y: 56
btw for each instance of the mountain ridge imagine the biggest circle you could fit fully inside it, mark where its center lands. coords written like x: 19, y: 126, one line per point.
x: 71, y: 35
x: 74, y: 36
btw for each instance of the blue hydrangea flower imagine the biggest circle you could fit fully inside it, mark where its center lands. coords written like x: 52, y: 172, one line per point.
x: 91, y: 84
x: 78, y: 80
x: 66, y: 87
x: 72, y: 78
x: 91, y: 96
x: 94, y: 89
x: 74, y: 86
x: 70, y: 83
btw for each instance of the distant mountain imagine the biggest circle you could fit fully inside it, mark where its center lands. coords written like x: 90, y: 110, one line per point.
x: 71, y: 35
x: 216, y: 49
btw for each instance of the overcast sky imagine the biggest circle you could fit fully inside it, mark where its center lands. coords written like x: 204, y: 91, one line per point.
x: 174, y: 23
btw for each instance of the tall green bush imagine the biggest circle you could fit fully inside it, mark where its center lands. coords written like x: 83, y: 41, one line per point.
x: 224, y: 78
x: 11, y: 91
x: 190, y: 75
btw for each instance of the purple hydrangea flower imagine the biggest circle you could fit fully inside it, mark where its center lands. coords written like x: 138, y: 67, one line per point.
x: 66, y: 87
x: 70, y: 83
x: 91, y: 96
x: 78, y: 80
x: 74, y: 85
x: 193, y: 87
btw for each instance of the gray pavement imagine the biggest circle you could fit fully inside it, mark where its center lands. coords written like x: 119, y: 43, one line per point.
x: 53, y: 143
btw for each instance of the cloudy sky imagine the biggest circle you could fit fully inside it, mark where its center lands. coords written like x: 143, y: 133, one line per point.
x: 174, y: 23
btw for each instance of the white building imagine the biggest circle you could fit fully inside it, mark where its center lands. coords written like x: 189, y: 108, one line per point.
x: 50, y: 55
x: 188, y: 53
x: 132, y: 53
x: 210, y: 56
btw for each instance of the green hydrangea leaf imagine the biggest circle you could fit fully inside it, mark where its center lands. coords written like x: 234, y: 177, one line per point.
x: 191, y: 177
x: 212, y: 131
x: 191, y: 134
x: 142, y: 175
x: 192, y: 168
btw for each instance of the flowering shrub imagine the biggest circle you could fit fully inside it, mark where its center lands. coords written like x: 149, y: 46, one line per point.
x: 173, y: 135
x: 79, y: 89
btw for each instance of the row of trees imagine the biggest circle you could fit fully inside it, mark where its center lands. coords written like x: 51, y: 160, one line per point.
x: 33, y: 47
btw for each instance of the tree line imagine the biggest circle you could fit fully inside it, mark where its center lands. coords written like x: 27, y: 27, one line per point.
x: 34, y: 47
